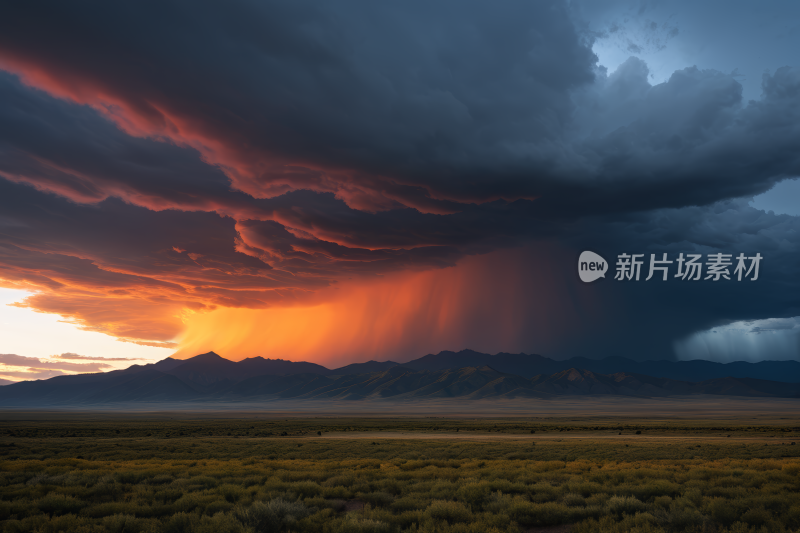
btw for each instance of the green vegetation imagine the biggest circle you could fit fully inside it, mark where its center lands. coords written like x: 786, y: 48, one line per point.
x: 139, y: 475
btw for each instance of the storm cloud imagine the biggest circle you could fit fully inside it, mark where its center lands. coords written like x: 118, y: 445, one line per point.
x: 255, y: 155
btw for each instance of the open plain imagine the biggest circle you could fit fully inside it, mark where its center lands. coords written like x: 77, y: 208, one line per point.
x: 475, y: 468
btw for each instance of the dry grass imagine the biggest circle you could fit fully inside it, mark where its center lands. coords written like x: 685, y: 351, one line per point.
x: 138, y: 474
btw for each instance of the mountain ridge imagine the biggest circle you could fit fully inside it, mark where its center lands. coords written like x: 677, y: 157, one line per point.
x: 530, y: 365
x: 210, y: 377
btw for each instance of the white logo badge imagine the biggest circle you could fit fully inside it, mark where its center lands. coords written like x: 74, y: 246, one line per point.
x: 591, y: 266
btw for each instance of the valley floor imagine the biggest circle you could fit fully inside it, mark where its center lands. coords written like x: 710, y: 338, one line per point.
x: 596, y: 406
x: 234, y: 471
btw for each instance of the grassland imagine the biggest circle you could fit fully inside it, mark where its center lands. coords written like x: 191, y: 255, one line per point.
x: 79, y: 472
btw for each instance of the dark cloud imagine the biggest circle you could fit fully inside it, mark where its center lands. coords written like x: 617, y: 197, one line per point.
x: 688, y: 141
x: 381, y: 105
x: 414, y: 105
x: 648, y: 316
x: 252, y: 154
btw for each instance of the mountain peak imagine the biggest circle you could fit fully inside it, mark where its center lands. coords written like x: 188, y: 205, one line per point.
x: 208, y: 356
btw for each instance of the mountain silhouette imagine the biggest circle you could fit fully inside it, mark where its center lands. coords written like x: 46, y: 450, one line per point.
x: 531, y: 365
x: 209, y: 368
x: 209, y: 377
x: 364, y: 368
x: 520, y: 364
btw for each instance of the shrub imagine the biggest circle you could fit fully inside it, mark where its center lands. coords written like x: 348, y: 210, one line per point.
x: 58, y: 504
x: 193, y: 500
x: 659, y: 487
x: 410, y: 503
x: 622, y: 504
x: 129, y: 477
x: 219, y: 523
x: 756, y: 517
x: 474, y: 494
x: 271, y: 517
x: 232, y: 493
x: 203, y: 481
x: 180, y: 523
x: 723, y: 511
x: 306, y: 489
x: 345, y: 480
x: 538, y: 514
x: 219, y: 506
x: 336, y: 492
x: 573, y: 500
x: 793, y: 469
x: 793, y: 516
x: 683, y: 518
x: 662, y: 501
x: 121, y: 523
x: 376, y: 499
x: 354, y: 524
x: 638, y: 523
x: 66, y: 523
x: 451, y: 512
x: 695, y: 496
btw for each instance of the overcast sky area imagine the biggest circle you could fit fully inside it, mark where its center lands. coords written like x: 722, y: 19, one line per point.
x: 731, y: 37
x: 354, y: 181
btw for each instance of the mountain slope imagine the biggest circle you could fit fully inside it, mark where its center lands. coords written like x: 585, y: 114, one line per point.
x: 531, y: 365
x: 257, y: 366
x: 520, y: 364
x: 146, y: 384
x: 364, y: 368
x: 697, y: 370
x: 291, y: 386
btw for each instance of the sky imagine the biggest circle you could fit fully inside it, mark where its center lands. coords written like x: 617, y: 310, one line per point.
x: 352, y: 181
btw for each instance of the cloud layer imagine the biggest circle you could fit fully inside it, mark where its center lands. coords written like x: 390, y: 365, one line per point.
x: 157, y: 170
x: 20, y: 366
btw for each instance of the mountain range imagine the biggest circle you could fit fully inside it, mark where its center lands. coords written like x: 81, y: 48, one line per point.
x: 466, y: 374
x: 532, y: 365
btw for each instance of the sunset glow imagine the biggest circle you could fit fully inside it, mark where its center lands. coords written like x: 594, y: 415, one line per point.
x: 498, y: 302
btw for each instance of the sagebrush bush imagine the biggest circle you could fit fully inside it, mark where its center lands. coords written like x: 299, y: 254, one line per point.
x: 448, y: 511
x: 625, y: 504
x: 358, y: 525
x: 58, y: 504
